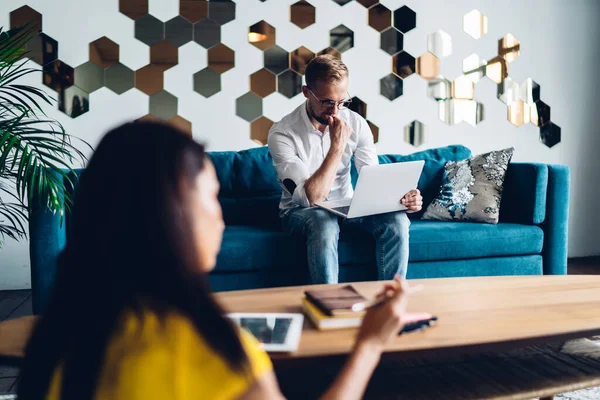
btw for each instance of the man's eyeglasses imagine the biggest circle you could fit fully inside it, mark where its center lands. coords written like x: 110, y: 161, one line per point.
x: 330, y: 103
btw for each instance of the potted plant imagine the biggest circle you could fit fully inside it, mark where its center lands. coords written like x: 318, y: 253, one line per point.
x: 36, y: 155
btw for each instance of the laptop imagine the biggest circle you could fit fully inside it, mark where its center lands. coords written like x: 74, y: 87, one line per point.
x: 378, y: 190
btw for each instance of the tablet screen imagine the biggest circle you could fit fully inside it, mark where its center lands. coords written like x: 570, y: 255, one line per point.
x: 268, y: 330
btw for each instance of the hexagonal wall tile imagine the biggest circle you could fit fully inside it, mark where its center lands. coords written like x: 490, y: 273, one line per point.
x: 330, y: 51
x: 179, y: 31
x: 403, y: 65
x: 221, y: 11
x: 263, y: 82
x: 221, y: 58
x: 104, y: 52
x: 164, y: 55
x: 207, y: 33
x: 299, y: 58
x: 42, y: 49
x: 26, y: 16
x: 508, y: 91
x: 163, y: 105
x: 439, y: 88
x: 58, y: 75
x: 134, y: 9
x: 248, y: 106
x: 367, y: 3
x: 391, y: 87
x: 359, y: 107
x: 74, y: 101
x: 89, y: 77
x: 193, y: 10
x: 374, y: 131
x: 341, y: 38
x: 182, y: 124
x: 550, y: 134
x: 262, y: 35
x: 276, y: 59
x: 149, y: 79
x: 496, y: 69
x: 509, y: 48
x: 392, y: 41
x: 342, y: 2
x: 518, y: 113
x: 475, y: 24
x: 529, y: 91
x: 380, y: 17
x: 439, y: 44
x: 119, y: 78
x: 454, y: 111
x: 474, y: 67
x: 415, y: 133
x: 149, y: 29
x: 302, y: 14
x: 289, y: 83
x: 405, y: 19
x: 259, y: 130
x: 540, y: 113
x: 207, y: 82
x: 427, y: 66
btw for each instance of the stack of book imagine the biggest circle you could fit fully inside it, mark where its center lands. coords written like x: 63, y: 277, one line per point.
x: 332, y: 308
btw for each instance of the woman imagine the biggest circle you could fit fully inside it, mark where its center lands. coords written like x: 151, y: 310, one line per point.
x: 131, y: 316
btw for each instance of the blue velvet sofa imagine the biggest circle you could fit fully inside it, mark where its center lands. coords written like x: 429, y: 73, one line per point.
x: 531, y: 238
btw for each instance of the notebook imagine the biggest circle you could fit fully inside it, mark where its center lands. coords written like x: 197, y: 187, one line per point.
x: 323, y: 321
x: 336, y: 301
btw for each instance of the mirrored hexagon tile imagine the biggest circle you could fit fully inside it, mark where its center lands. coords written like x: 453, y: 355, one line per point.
x: 359, y: 107
x: 299, y: 58
x: 221, y: 58
x: 496, y: 69
x: 518, y: 113
x: 149, y: 29
x: 392, y: 41
x: 289, y: 83
x: 540, y: 113
x: 380, y: 17
x: 179, y: 31
x: 149, y: 79
x: 439, y: 44
x: 248, y: 106
x: 331, y: 51
x: 374, y: 131
x: 28, y: 18
x: 342, y: 2
x: 463, y: 88
x: 193, y: 10
x: 259, y: 130
x: 182, y: 124
x: 439, y: 88
x: 508, y: 91
x: 403, y: 65
x: 475, y: 24
x: 163, y: 105
x: 405, y: 19
x: 454, y: 111
x: 427, y: 66
x: 221, y: 11
x: 474, y: 67
x: 58, y: 75
x: 530, y: 91
x: 207, y: 33
x: 550, y: 134
x: 302, y: 14
x: 134, y: 9
x: 89, y: 77
x: 119, y: 78
x: 262, y: 35
x: 509, y: 48
x: 164, y: 55
x: 104, y: 52
x: 276, y: 59
x: 42, y: 49
x: 207, y: 82
x: 391, y: 87
x: 74, y: 101
x: 367, y: 3
x: 341, y: 38
x: 415, y: 133
x: 263, y: 82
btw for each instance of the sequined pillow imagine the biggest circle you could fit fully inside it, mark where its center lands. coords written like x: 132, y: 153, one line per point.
x: 471, y: 189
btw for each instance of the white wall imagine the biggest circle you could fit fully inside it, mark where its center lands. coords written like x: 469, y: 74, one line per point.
x: 559, y: 50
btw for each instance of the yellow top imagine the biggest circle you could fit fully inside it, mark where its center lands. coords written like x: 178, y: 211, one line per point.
x: 150, y: 360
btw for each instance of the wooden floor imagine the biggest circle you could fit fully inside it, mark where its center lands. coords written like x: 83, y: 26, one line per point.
x: 17, y: 303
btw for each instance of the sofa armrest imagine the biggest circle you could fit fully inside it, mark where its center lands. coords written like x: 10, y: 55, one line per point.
x: 525, y: 193
x: 556, y: 223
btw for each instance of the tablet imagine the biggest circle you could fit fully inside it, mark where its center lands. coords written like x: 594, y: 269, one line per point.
x: 274, y: 331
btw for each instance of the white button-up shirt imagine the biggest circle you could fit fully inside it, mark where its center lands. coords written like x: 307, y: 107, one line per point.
x: 298, y: 150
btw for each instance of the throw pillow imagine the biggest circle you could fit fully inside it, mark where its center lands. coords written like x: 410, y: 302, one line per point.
x: 471, y: 189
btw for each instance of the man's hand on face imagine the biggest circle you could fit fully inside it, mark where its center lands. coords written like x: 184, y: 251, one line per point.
x: 413, y: 201
x: 339, y: 131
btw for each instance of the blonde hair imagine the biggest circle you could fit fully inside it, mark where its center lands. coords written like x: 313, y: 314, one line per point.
x: 325, y: 68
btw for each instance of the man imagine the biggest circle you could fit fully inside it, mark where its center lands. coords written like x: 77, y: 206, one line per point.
x: 312, y: 148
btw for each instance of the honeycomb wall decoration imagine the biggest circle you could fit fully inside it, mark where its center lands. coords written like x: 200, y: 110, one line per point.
x: 201, y: 21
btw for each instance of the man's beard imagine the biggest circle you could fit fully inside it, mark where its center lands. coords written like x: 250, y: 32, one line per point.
x: 313, y: 114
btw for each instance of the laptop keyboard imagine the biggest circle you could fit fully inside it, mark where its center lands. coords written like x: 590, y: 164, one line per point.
x: 344, y: 210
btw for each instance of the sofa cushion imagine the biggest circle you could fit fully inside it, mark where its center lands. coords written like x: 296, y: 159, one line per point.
x: 257, y: 248
x: 431, y: 177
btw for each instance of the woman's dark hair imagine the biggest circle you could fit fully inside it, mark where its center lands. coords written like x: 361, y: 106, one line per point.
x: 130, y: 245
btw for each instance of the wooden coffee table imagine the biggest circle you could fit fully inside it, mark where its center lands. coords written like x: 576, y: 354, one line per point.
x: 496, y: 338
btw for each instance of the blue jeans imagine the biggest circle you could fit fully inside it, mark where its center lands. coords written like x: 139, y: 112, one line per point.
x: 321, y: 229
